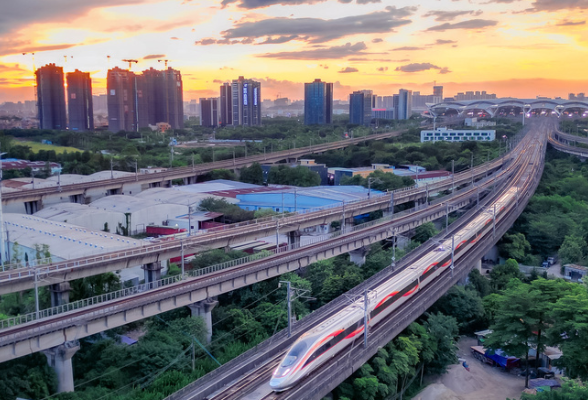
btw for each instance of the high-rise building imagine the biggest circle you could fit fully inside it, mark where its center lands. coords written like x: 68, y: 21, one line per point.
x: 226, y: 107
x: 209, y: 112
x: 122, y: 110
x: 438, y: 91
x: 79, y: 101
x: 172, y: 109
x: 403, y: 104
x: 51, y: 97
x: 360, y: 107
x: 246, y: 103
x: 318, y: 103
x: 137, y: 101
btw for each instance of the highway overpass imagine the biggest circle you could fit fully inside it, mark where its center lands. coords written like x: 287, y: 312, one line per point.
x: 565, y: 142
x: 32, y: 200
x: 23, y: 278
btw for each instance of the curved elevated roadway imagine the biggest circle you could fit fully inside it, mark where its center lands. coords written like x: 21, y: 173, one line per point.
x: 561, y: 142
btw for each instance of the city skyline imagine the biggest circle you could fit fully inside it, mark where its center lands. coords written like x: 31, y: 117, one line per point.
x: 523, y: 48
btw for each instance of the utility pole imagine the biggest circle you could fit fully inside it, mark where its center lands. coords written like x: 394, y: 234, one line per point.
x: 494, y: 222
x: 452, y: 254
x: 277, y: 233
x: 472, y: 168
x: 182, y: 256
x: 111, y: 171
x: 290, y: 299
x: 37, y: 293
x: 136, y: 171
x: 452, y: 176
x: 2, y: 251
x: 343, y: 220
x: 446, y: 217
x: 189, y: 220
x: 233, y: 156
x: 394, y: 232
x: 392, y: 203
x: 192, y: 162
x: 365, y: 319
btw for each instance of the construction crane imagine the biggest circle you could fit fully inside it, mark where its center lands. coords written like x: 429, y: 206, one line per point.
x: 130, y: 62
x: 165, y: 61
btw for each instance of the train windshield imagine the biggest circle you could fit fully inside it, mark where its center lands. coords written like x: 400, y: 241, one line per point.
x: 294, y: 353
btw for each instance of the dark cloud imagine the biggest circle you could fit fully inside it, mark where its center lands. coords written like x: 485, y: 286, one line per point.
x: 217, y: 81
x: 383, y: 69
x: 316, y: 30
x: 443, y: 16
x: 374, y: 59
x: 16, y: 14
x: 377, y: 40
x: 252, y: 4
x: 556, y: 5
x: 550, y: 5
x: 566, y: 22
x: 470, y: 24
x: 408, y: 48
x: 153, y: 56
x: 417, y: 67
x: 209, y: 41
x: 321, y: 53
x: 279, y: 39
x: 348, y: 70
x: 324, y: 66
x: 441, y: 42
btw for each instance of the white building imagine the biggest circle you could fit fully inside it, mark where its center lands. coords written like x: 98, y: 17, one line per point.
x: 450, y: 135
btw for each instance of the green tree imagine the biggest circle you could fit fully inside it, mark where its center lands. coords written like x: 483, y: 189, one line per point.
x: 480, y: 283
x: 464, y: 305
x: 501, y: 274
x: 424, y: 232
x: 569, y: 331
x: 514, y: 246
x: 297, y: 176
x: 572, y: 250
x: 515, y: 322
x: 442, y: 330
x: 252, y: 174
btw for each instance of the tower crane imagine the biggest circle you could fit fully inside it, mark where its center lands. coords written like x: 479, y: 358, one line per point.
x: 165, y: 61
x: 130, y: 62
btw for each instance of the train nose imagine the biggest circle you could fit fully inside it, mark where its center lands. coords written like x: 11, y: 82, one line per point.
x: 279, y: 384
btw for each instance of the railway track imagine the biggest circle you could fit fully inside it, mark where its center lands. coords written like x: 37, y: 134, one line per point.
x: 527, y: 164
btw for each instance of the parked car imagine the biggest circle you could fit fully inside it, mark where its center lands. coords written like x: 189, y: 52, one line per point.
x: 551, y: 261
x: 545, y: 264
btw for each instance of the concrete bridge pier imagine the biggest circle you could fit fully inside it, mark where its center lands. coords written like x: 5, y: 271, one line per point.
x: 358, y: 256
x: 152, y: 272
x: 294, y: 239
x: 59, y: 293
x: 478, y: 266
x: 59, y: 358
x: 204, y: 309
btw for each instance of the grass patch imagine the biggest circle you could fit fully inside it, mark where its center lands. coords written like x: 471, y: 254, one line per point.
x: 36, y: 146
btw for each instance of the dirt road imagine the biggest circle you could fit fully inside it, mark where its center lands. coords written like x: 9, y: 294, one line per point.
x: 482, y: 382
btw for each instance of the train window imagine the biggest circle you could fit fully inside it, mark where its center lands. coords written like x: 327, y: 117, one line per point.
x: 294, y: 353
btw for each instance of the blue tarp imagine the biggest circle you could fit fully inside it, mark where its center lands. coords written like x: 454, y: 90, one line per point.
x: 501, y: 358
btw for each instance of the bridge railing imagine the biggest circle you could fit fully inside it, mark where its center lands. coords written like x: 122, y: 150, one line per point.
x: 22, y: 319
x: 21, y: 271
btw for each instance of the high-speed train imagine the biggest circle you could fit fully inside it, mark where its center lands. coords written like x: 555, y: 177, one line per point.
x: 324, y: 341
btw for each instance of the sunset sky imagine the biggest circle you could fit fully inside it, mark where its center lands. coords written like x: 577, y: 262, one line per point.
x: 521, y: 48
